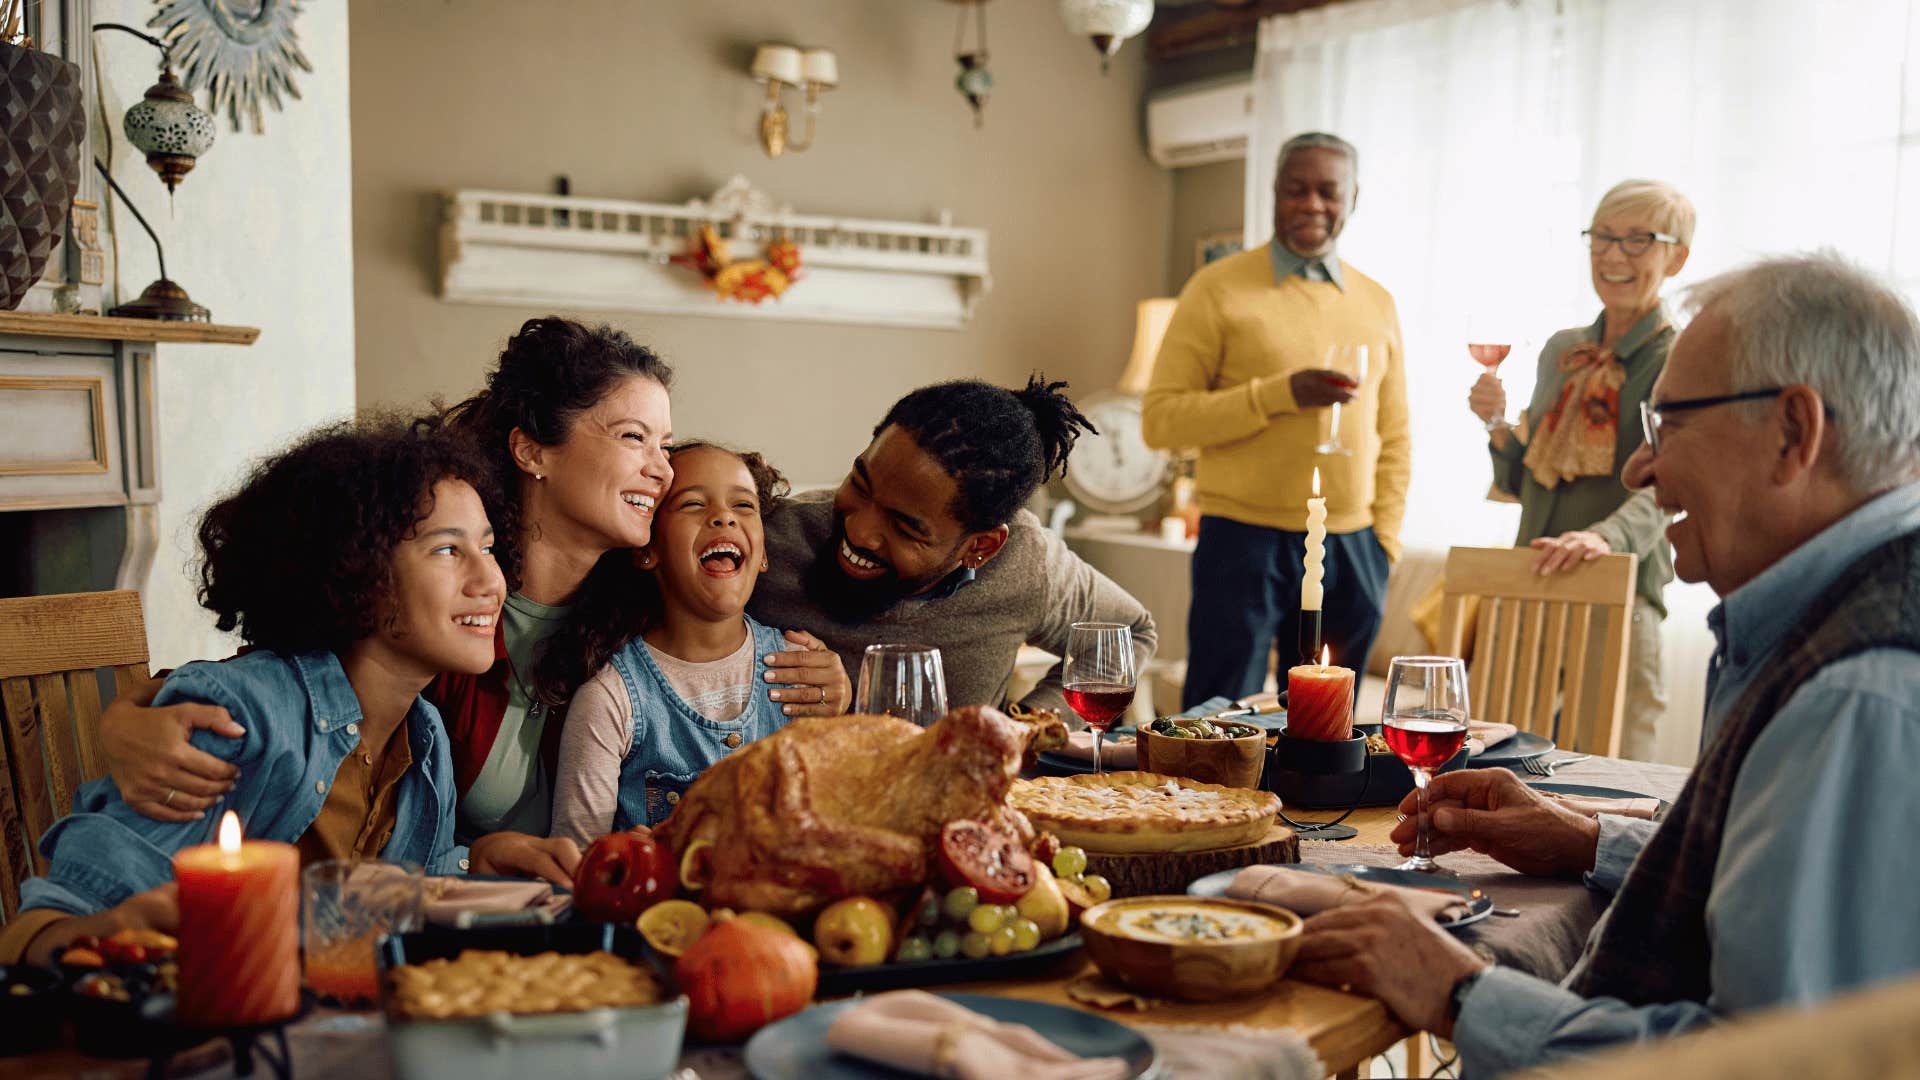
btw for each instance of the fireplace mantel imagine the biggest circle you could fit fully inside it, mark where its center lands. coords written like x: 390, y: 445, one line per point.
x: 79, y: 439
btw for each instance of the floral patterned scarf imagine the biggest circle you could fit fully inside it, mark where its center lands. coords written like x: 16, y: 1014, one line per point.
x: 1577, y: 437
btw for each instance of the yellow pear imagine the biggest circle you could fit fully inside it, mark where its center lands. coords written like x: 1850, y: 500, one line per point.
x: 1044, y: 903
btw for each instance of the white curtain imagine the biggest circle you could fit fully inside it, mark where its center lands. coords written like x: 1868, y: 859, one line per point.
x: 1487, y: 131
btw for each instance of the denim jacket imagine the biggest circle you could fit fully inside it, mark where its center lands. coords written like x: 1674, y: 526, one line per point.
x: 302, y: 719
x: 672, y: 744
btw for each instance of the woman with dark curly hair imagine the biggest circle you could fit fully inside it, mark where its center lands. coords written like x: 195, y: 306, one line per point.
x: 357, y: 565
x: 577, y: 421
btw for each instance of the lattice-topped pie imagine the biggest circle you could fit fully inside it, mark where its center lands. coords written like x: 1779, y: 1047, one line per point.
x: 1125, y: 812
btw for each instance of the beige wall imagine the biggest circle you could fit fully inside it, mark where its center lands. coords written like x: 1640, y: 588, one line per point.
x: 1206, y: 199
x: 651, y: 101
x: 259, y: 234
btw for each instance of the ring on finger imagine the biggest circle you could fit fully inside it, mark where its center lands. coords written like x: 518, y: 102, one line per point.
x: 823, y: 696
x: 168, y: 801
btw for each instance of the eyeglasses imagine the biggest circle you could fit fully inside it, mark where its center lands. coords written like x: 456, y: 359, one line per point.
x: 1652, y: 416
x: 1632, y: 244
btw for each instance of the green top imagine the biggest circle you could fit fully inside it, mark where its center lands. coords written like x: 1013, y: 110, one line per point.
x: 1289, y: 263
x: 1628, y: 521
x: 513, y: 792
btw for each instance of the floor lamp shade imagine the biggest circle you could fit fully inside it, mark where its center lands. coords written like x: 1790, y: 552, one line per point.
x: 1150, y: 320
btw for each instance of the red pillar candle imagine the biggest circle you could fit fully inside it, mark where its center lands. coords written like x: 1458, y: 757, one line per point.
x: 1320, y: 701
x: 239, y: 931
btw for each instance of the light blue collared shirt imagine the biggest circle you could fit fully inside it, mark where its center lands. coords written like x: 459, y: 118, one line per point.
x: 1813, y: 891
x: 1287, y: 263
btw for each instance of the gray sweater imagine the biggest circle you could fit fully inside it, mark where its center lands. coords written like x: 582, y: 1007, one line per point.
x: 1031, y: 593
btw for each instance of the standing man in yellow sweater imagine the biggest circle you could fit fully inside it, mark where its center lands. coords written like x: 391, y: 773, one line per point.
x: 1243, y: 375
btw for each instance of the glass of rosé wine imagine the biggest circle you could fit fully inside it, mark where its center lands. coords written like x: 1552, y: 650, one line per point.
x: 1488, y: 344
x: 1099, y: 677
x: 1425, y: 724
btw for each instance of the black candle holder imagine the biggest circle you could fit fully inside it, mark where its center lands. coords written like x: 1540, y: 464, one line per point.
x: 1298, y: 769
x: 266, y: 1040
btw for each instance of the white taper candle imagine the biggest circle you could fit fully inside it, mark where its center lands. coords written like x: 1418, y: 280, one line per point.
x: 1310, y: 593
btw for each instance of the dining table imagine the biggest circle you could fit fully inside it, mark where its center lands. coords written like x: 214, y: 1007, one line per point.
x: 1543, y: 928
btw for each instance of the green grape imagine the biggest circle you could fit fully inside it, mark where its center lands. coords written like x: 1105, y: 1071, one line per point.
x: 1069, y: 861
x: 930, y: 912
x: 1026, y: 934
x: 987, y: 918
x: 960, y: 902
x: 947, y: 945
x: 915, y: 947
x: 1003, y: 941
x: 1098, y: 888
x: 976, y: 946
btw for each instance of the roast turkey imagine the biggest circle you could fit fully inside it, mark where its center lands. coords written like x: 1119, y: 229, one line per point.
x: 842, y: 806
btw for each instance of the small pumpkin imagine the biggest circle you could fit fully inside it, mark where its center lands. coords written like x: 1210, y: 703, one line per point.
x: 741, y: 976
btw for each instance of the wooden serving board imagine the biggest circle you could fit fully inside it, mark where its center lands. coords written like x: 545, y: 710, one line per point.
x: 1169, y: 872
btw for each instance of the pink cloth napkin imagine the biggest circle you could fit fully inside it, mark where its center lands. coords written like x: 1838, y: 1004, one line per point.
x: 1481, y: 735
x: 1307, y: 893
x: 1119, y: 751
x: 920, y: 1033
x: 1594, y: 807
x: 448, y: 898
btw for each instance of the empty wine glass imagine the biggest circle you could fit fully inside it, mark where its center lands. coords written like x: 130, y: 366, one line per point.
x: 1099, y: 677
x: 1349, y: 360
x: 1425, y: 724
x: 906, y: 681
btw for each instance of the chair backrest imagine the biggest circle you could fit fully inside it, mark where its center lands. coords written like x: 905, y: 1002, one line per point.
x: 1532, y: 638
x: 51, y: 648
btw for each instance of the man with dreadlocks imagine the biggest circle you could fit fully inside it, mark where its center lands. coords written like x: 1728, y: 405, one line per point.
x: 926, y: 541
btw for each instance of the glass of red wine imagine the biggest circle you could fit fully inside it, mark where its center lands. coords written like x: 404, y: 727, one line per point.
x: 1351, y: 361
x: 1099, y: 678
x: 1425, y: 724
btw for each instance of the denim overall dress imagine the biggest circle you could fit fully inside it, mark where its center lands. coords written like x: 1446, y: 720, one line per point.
x: 672, y: 744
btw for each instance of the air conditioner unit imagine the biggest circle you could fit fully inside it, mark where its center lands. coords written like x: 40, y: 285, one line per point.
x: 1196, y: 125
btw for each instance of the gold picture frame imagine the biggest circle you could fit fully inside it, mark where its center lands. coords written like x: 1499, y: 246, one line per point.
x: 1217, y: 244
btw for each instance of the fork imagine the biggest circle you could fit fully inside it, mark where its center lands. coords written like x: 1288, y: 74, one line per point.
x: 1540, y: 766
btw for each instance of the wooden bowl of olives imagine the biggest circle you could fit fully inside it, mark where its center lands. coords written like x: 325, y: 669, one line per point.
x: 1211, y: 751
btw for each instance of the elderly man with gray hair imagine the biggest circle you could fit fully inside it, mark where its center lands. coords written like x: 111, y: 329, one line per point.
x: 1784, y: 438
x: 1278, y: 362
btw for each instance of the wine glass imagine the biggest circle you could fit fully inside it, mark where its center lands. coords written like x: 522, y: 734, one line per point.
x: 1347, y: 360
x: 1488, y: 343
x: 906, y: 681
x: 1425, y: 724
x: 1099, y: 677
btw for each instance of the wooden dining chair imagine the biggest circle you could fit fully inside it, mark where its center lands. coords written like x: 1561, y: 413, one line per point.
x: 1532, y: 641
x: 51, y: 651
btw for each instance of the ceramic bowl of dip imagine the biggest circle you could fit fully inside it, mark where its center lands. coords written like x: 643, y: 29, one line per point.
x: 1193, y: 948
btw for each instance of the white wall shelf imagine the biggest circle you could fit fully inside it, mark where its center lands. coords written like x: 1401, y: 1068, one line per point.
x: 605, y: 254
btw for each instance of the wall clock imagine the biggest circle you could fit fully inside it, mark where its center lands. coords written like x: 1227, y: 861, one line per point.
x: 1115, y: 472
x: 240, y: 51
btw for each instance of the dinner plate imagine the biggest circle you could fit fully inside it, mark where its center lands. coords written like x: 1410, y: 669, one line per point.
x: 1513, y: 750
x: 900, y: 974
x: 1482, y: 904
x: 796, y: 1048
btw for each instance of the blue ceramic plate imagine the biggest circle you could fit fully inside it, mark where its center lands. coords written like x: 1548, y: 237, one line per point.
x: 837, y: 982
x: 1215, y: 885
x: 1512, y: 750
x: 796, y: 1048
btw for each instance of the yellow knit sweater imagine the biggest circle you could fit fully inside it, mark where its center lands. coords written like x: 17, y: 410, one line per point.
x: 1220, y: 384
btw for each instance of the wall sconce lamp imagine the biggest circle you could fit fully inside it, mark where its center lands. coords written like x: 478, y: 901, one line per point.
x: 781, y: 66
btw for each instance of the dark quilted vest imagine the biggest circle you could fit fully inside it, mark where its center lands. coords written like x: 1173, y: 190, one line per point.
x: 1654, y: 947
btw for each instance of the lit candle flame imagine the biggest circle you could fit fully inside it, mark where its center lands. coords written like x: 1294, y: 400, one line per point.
x: 1325, y: 654
x: 230, y: 833
x: 1316, y: 481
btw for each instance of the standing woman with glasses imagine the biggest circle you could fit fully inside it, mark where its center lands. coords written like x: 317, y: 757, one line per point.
x: 1563, y: 460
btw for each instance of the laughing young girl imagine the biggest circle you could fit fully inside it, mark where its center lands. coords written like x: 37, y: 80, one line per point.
x: 690, y: 688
